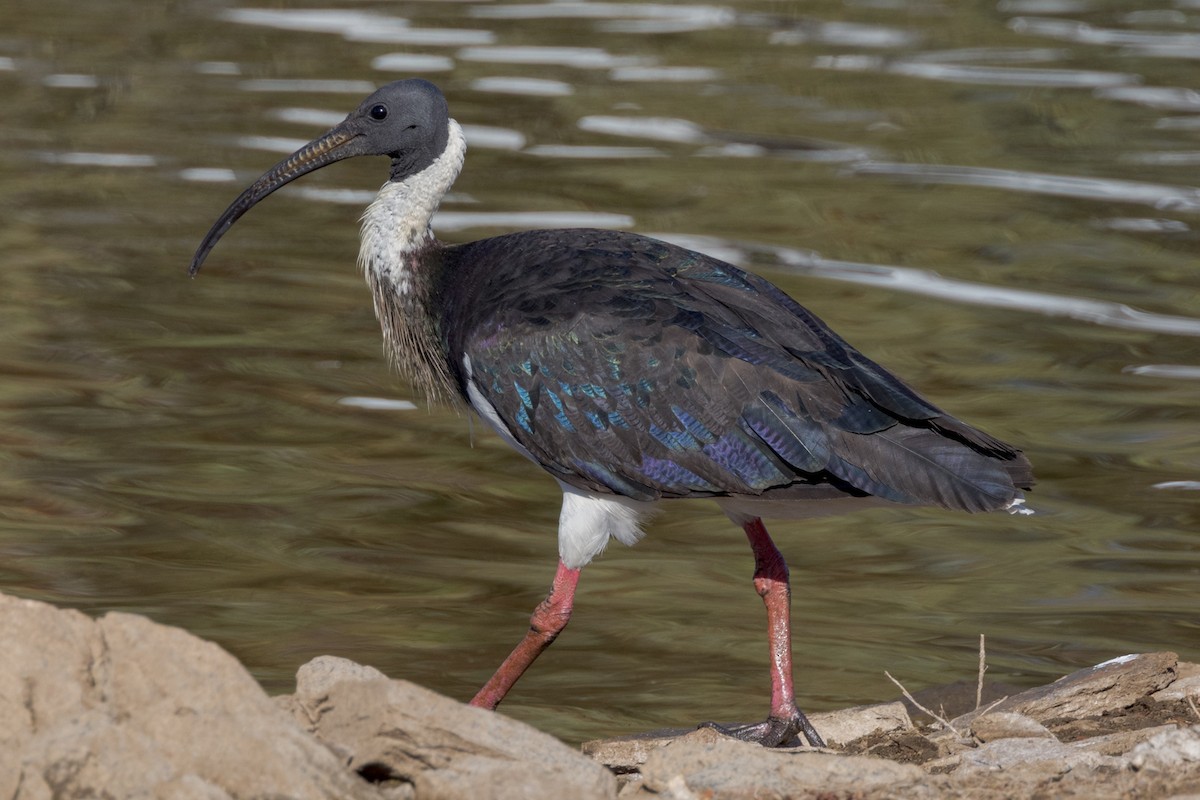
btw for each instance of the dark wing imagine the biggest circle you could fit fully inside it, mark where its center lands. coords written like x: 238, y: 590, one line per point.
x: 628, y: 365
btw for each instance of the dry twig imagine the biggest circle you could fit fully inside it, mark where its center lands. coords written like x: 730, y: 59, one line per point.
x: 1192, y: 703
x: 982, y: 669
x: 945, y: 723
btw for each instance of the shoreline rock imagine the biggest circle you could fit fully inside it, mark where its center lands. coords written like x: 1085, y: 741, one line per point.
x: 124, y: 707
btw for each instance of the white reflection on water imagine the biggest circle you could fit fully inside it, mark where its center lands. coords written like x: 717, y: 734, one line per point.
x: 942, y: 66
x: 272, y: 144
x: 1162, y: 51
x: 219, y: 68
x: 664, y: 74
x: 729, y: 144
x: 208, y: 175
x: 620, y: 17
x: 307, y: 85
x: 661, y: 11
x: 70, y: 81
x: 1142, y: 225
x: 1183, y: 371
x: 1184, y: 158
x: 343, y: 197
x: 462, y: 220
x: 76, y: 159
x: 1045, y: 6
x: 592, y: 151
x: 580, y: 57
x: 7, y: 63
x: 1011, y: 76
x: 1175, y: 198
x: 532, y: 87
x: 665, y: 129
x: 377, y: 403
x: 493, y: 137
x: 430, y: 37
x: 930, y: 284
x: 845, y: 34
x: 1018, y: 55
x: 412, y: 62
x: 1177, y: 124
x: 314, y: 20
x: 1164, y: 97
x: 309, y: 116
x: 1082, y: 32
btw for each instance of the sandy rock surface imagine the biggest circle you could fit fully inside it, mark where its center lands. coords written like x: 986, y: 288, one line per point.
x: 122, y: 707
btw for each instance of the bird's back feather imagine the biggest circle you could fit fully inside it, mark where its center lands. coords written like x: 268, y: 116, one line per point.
x: 631, y: 366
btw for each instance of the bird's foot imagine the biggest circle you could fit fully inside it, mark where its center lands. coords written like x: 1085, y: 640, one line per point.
x: 774, y: 731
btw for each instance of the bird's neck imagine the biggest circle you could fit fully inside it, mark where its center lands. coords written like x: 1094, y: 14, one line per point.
x: 399, y: 257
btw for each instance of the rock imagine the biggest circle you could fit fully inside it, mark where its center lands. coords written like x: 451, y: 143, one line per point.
x: 399, y: 733
x: 1177, y: 751
x: 710, y: 765
x: 625, y: 754
x: 1023, y: 753
x: 1007, y: 725
x: 1185, y: 686
x: 1115, y: 744
x: 840, y: 728
x: 123, y: 707
x: 1090, y: 692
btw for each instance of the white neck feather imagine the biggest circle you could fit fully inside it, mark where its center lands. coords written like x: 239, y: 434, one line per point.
x: 397, y: 223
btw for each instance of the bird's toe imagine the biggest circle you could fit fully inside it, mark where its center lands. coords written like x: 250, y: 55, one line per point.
x: 774, y: 731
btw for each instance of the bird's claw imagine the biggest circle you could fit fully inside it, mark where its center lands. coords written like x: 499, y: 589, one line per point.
x: 774, y: 731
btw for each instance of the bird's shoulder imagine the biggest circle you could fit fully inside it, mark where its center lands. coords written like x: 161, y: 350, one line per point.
x: 540, y: 282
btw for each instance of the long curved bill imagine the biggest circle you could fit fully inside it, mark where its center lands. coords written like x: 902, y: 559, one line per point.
x: 337, y: 144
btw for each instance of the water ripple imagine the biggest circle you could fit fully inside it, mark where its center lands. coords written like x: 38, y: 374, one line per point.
x: 846, y: 34
x: 931, y: 284
x: 493, y: 137
x: 412, y: 62
x: 986, y: 75
x: 1162, y: 97
x: 1175, y: 198
x: 79, y: 159
x: 665, y: 74
x: 430, y: 37
x: 1188, y: 372
x: 70, y: 81
x: 591, y: 151
x: 722, y: 143
x: 1011, y: 76
x: 568, y: 10
x: 580, y: 57
x: 312, y: 20
x: 316, y: 117
x: 462, y: 220
x: 1143, y: 225
x: 533, y: 87
x: 307, y: 85
x: 1083, y: 33
x: 665, y: 129
x: 377, y: 403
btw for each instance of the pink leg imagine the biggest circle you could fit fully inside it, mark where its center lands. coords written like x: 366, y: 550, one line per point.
x: 772, y: 584
x: 786, y: 720
x: 548, y: 620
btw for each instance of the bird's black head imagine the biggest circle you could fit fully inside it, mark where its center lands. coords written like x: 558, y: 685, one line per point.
x: 407, y: 120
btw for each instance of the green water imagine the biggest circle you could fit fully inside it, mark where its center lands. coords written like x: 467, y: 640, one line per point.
x: 177, y: 448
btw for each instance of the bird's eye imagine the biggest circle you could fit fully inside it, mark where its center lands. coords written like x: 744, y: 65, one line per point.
x: 378, y: 112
